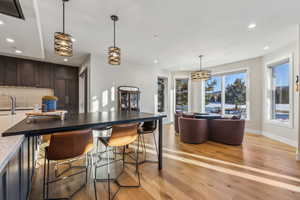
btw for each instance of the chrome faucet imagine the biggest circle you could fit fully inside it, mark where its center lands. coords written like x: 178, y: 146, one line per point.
x: 13, y: 104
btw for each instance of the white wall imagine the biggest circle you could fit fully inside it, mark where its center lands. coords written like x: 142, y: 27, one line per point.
x: 285, y: 134
x: 105, y: 79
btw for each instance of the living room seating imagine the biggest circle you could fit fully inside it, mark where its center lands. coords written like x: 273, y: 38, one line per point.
x: 193, y: 131
x: 227, y: 131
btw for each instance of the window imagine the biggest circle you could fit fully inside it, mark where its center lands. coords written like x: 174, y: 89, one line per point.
x: 213, y: 95
x: 227, y: 94
x: 162, y: 89
x: 235, y: 94
x: 181, y: 96
x: 280, y: 92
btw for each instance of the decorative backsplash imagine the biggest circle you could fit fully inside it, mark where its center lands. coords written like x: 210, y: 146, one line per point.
x: 27, y: 97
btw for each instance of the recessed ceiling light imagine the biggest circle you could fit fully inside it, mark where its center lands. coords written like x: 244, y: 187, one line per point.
x: 1, y: 22
x: 155, y: 61
x: 10, y: 40
x: 266, y: 48
x: 18, y: 51
x: 251, y: 26
x: 66, y: 59
x: 73, y: 39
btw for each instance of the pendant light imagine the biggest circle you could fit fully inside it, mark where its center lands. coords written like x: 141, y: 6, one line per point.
x: 201, y: 74
x: 114, y: 53
x: 63, y: 45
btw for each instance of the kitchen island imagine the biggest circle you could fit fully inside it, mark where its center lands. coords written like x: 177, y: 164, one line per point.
x: 75, y: 121
x: 19, y: 143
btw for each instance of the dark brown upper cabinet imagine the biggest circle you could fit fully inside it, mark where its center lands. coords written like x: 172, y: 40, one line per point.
x: 26, y: 73
x: 44, y: 75
x: 63, y: 72
x: 2, y: 71
x: 10, y: 72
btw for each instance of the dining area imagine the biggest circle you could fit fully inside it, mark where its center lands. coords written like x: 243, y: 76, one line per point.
x: 91, y: 148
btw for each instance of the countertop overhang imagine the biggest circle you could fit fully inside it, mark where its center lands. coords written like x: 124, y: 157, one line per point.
x: 75, y: 121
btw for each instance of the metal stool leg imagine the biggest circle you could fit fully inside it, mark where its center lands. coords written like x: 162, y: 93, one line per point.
x: 47, y: 185
x: 44, y: 179
x: 109, y: 179
x: 154, y: 138
x: 108, y: 173
x: 95, y: 178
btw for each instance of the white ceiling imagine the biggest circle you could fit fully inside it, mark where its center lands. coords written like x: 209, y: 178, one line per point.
x: 185, y: 29
x: 26, y: 33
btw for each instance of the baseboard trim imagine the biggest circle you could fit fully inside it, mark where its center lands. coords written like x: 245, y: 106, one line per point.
x: 253, y: 131
x: 280, y: 139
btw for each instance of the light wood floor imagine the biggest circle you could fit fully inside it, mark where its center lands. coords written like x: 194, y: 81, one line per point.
x: 259, y: 169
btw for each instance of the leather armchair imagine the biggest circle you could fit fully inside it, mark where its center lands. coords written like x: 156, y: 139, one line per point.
x: 227, y: 131
x: 193, y: 131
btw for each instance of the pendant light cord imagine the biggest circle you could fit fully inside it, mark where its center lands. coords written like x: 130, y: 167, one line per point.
x: 200, y: 61
x: 63, y: 16
x: 114, y: 33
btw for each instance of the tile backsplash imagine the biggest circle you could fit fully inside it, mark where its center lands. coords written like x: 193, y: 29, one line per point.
x: 27, y: 97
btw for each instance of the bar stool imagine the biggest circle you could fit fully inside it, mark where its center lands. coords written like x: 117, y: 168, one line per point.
x: 121, y: 136
x: 64, y: 146
x: 147, y: 128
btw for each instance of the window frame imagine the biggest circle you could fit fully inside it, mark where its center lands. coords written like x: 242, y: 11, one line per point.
x: 166, y: 99
x: 182, y: 77
x: 223, y: 74
x: 268, y: 91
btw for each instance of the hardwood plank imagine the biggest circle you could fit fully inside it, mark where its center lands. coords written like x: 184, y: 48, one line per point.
x: 192, y: 172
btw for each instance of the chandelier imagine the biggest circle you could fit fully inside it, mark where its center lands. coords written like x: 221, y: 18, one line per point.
x: 63, y: 45
x: 201, y: 74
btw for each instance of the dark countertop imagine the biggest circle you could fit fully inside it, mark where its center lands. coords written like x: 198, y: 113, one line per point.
x: 17, y: 108
x: 76, y: 121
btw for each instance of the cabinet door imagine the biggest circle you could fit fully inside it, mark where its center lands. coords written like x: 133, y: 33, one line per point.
x: 13, y: 178
x: 64, y: 72
x: 44, y: 75
x: 10, y: 77
x: 26, y: 73
x: 60, y: 91
x: 72, y: 94
x: 2, y: 70
x: 3, y: 184
x: 67, y: 93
